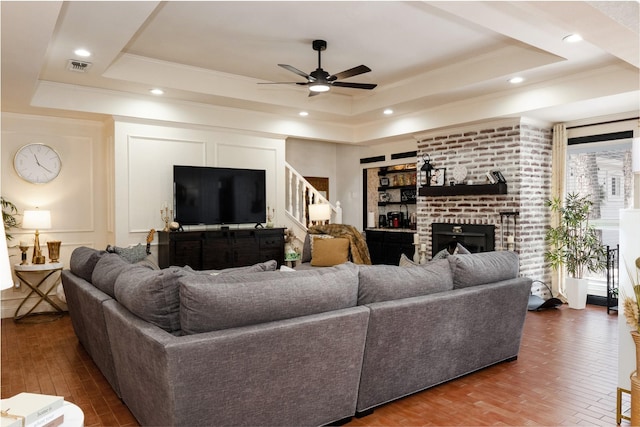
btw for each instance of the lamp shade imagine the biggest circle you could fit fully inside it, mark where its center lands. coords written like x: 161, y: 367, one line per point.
x: 320, y: 212
x: 6, y: 280
x: 36, y: 220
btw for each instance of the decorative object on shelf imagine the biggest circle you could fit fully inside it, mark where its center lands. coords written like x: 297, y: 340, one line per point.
x: 384, y: 181
x: 271, y: 213
x: 497, y: 175
x: 491, y: 178
x: 291, y: 252
x: 174, y: 226
x: 438, y: 177
x: 384, y: 197
x: 408, y: 195
x: 423, y: 253
x: 37, y: 220
x: 166, y: 215
x: 54, y: 250
x: 575, y: 244
x: 425, y: 171
x: 24, y: 247
x: 37, y: 163
x: 459, y: 173
x: 416, y: 244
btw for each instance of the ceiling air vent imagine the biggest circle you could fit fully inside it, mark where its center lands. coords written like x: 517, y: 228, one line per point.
x: 78, y: 66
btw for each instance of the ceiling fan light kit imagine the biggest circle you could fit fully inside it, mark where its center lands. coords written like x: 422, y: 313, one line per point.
x: 320, y: 81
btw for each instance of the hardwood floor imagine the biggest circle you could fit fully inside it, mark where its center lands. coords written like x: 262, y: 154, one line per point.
x: 565, y: 375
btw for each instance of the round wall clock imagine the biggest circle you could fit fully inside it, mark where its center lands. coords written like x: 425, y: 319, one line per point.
x: 37, y: 163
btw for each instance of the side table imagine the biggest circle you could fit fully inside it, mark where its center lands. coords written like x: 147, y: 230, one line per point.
x: 29, y: 275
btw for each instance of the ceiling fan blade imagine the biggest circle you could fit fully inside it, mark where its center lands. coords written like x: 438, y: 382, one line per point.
x: 355, y: 85
x: 294, y: 70
x: 311, y: 93
x: 360, y: 69
x: 282, y: 83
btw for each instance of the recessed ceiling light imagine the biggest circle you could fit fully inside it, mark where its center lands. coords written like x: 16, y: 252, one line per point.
x: 157, y: 91
x: 303, y: 113
x: 82, y: 52
x: 516, y: 80
x: 388, y: 111
x: 572, y: 38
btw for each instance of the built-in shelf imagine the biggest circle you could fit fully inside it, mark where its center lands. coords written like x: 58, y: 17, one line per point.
x: 461, y: 190
x: 393, y: 187
x: 408, y: 202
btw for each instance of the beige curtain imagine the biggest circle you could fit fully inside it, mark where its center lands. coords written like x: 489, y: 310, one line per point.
x: 558, y: 166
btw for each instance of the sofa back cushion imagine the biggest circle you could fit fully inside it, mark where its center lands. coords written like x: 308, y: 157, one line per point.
x: 83, y: 261
x: 108, y: 268
x: 209, y: 303
x: 152, y: 295
x: 481, y: 268
x: 389, y: 282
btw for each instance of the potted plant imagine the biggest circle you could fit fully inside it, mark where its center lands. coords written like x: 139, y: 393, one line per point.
x: 574, y: 244
x: 9, y: 213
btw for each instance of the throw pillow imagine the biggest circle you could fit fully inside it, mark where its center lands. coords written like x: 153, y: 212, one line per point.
x: 270, y: 265
x: 406, y: 262
x: 132, y: 255
x: 330, y: 252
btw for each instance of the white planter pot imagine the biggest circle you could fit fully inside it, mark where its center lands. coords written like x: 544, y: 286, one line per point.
x: 576, y: 292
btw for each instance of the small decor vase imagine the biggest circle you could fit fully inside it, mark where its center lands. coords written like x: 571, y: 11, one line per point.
x: 636, y: 340
x: 54, y: 250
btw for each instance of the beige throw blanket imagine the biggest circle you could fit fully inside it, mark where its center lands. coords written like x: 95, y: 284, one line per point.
x: 357, y: 244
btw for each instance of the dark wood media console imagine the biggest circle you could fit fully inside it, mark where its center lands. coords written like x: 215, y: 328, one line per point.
x: 218, y: 249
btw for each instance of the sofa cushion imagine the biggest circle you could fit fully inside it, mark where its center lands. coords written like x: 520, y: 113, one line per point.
x: 83, y: 261
x: 209, y: 303
x: 131, y: 254
x: 389, y: 282
x: 107, y: 270
x: 329, y: 252
x: 482, y: 268
x: 271, y: 265
x: 152, y: 295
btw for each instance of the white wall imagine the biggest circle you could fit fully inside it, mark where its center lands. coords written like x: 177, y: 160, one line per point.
x: 76, y: 198
x: 144, y: 157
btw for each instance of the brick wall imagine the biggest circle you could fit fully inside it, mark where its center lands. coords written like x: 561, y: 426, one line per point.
x: 522, y: 152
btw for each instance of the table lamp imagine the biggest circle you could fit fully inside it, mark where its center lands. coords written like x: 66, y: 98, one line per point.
x: 319, y: 213
x: 6, y: 280
x: 37, y: 220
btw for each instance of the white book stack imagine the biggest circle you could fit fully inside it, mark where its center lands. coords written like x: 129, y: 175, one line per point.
x: 32, y: 410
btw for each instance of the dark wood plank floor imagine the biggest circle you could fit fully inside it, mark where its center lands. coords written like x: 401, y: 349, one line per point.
x: 565, y: 375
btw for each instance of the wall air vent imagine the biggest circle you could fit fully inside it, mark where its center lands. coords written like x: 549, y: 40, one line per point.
x: 78, y: 66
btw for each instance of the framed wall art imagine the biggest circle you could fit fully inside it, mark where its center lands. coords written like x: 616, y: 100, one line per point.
x: 438, y: 176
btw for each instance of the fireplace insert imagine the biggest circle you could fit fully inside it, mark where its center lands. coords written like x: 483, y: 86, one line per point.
x: 474, y: 237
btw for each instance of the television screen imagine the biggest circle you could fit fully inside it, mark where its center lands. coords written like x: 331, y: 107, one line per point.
x: 210, y: 195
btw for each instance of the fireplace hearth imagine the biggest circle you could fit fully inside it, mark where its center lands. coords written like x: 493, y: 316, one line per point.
x: 474, y: 237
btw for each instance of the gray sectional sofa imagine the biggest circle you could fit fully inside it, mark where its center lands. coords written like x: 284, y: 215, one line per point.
x: 253, y: 346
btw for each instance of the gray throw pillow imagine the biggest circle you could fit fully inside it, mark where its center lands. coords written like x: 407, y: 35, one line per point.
x: 83, y: 261
x: 270, y: 265
x: 132, y: 255
x: 481, y: 268
x: 389, y: 282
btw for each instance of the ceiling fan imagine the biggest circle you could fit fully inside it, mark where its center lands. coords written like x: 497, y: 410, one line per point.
x: 320, y: 81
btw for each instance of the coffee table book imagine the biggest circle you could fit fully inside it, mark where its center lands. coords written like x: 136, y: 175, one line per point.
x: 32, y: 410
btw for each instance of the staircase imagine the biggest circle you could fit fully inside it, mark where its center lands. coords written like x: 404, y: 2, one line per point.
x: 299, y: 193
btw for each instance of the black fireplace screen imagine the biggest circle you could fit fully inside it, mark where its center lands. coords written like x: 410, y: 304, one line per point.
x: 474, y: 237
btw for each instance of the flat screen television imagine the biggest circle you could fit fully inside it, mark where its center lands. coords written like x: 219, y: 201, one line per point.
x: 209, y: 195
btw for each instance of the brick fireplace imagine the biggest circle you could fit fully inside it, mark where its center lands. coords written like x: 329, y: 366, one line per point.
x: 521, y: 150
